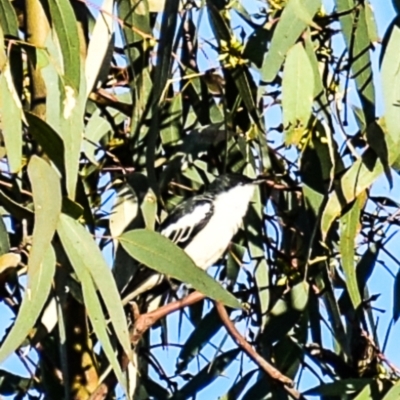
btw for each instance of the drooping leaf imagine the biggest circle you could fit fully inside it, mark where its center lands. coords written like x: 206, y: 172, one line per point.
x: 41, y: 265
x: 78, y: 243
x: 4, y: 240
x: 236, y: 390
x: 98, y: 319
x: 339, y: 388
x: 38, y: 288
x: 95, y: 129
x: 48, y: 138
x: 64, y: 23
x: 393, y: 393
x: 161, y: 74
x: 100, y: 40
x: 290, y: 26
x: 8, y: 19
x: 349, y: 227
x: 355, y: 31
x: 71, y: 131
x: 11, y: 384
x: 206, y: 329
x: 357, y: 178
x: 159, y: 253
x: 15, y: 208
x: 11, y: 119
x: 207, y: 375
x: 297, y: 92
x: 391, y: 85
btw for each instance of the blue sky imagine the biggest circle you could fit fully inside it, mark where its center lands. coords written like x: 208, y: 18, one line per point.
x: 380, y: 282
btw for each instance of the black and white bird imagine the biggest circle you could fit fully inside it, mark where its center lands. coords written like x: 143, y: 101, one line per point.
x: 204, y: 225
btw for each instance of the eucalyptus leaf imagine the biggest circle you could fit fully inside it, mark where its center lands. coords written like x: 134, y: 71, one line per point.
x: 159, y: 253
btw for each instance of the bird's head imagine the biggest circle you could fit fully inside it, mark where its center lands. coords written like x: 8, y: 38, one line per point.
x: 227, y: 182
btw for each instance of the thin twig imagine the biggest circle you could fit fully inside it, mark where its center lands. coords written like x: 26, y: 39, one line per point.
x: 144, y: 321
x: 269, y: 369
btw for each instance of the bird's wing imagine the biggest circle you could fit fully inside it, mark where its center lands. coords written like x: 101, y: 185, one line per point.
x: 187, y: 219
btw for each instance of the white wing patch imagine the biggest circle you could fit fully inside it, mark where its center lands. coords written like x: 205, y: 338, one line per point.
x: 182, y: 229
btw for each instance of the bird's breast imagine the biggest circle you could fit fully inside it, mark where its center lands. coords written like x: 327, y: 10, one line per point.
x: 211, y: 242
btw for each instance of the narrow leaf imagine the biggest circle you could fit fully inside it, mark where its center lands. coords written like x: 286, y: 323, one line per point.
x: 390, y: 73
x: 355, y: 31
x: 349, y: 227
x: 393, y: 393
x: 207, y: 375
x: 339, y: 388
x: 37, y: 291
x: 290, y: 26
x: 48, y: 139
x: 98, y: 319
x: 11, y: 119
x: 78, y: 243
x: 297, y: 91
x: 159, y: 253
x: 65, y: 25
x: 8, y: 19
x: 99, y: 44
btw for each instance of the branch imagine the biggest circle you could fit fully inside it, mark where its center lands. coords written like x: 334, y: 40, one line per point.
x: 145, y: 321
x: 269, y: 369
x: 142, y: 323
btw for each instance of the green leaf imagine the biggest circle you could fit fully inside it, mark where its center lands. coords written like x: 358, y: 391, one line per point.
x: 299, y: 296
x: 161, y: 74
x: 260, y: 390
x: 393, y: 393
x: 207, y: 375
x: 4, y: 240
x: 339, y: 388
x: 13, y: 384
x: 41, y: 264
x: 391, y: 85
x: 97, y: 318
x: 48, y: 139
x: 95, y: 129
x: 159, y: 253
x: 15, y: 208
x: 78, y: 243
x: 37, y: 291
x: 297, y: 91
x: 206, y: 329
x: 370, y: 391
x: 319, y: 90
x: 71, y: 131
x: 262, y: 280
x: 47, y: 202
x: 290, y: 26
x: 363, y: 272
x: 371, y: 23
x: 11, y: 119
x: 65, y: 25
x: 357, y: 178
x: 355, y: 31
x: 99, y: 45
x: 8, y: 19
x: 236, y: 390
x: 349, y: 227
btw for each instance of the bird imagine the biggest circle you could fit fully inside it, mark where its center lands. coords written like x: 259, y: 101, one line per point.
x: 203, y: 225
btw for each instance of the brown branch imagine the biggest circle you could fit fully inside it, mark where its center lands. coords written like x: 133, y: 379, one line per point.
x: 145, y: 321
x: 142, y: 323
x: 269, y: 369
